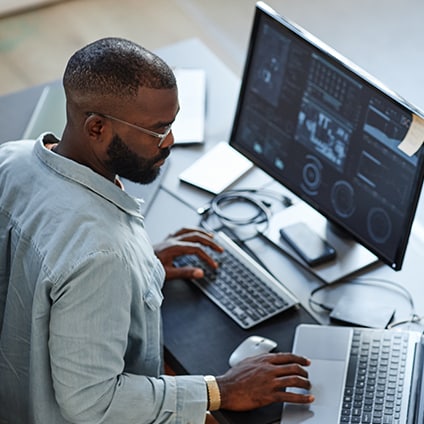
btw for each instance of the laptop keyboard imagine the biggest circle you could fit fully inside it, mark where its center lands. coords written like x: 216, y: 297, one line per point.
x: 376, y: 373
x: 240, y: 286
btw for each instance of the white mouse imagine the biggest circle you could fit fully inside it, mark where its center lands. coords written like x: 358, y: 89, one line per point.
x: 252, y: 346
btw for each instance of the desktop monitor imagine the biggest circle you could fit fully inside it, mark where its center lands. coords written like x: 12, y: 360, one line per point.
x: 329, y: 132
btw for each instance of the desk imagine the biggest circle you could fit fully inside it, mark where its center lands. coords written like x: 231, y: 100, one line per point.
x: 198, y: 337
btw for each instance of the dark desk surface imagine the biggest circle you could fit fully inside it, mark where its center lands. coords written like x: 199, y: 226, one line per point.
x: 198, y: 337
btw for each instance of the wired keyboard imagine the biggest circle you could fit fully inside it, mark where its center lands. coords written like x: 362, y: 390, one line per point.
x: 241, y: 287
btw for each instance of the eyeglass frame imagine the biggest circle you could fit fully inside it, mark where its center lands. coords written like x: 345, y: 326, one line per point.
x: 161, y: 137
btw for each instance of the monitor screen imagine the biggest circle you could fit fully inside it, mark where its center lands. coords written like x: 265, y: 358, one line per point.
x: 330, y: 133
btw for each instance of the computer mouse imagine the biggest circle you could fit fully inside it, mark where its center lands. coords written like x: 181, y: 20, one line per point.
x: 252, y: 346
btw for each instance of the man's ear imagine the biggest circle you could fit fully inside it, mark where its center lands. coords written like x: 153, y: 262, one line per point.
x: 97, y: 128
x: 98, y: 133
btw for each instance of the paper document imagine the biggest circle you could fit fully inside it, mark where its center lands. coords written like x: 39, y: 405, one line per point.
x: 189, y: 126
x: 217, y: 169
x: 414, y: 137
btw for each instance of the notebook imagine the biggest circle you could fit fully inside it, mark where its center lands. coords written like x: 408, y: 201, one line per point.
x: 336, y: 356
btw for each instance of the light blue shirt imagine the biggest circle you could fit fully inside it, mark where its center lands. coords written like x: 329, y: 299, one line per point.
x: 80, y: 297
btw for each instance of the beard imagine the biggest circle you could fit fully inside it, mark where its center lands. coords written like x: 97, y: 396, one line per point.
x: 127, y: 164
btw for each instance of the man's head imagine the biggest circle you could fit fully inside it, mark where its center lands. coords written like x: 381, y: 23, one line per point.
x: 120, y: 99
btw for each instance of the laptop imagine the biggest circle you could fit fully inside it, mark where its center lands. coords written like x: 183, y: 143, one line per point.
x: 49, y: 113
x: 389, y: 392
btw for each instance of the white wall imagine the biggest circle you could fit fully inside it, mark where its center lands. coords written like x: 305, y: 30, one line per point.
x: 13, y: 6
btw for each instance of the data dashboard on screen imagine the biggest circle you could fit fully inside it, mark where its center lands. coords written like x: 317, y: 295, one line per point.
x: 330, y: 133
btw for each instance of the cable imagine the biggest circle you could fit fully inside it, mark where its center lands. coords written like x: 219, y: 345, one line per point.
x: 254, y: 197
x: 361, y: 280
x: 219, y: 203
x: 375, y: 281
x: 415, y: 319
x: 312, y: 302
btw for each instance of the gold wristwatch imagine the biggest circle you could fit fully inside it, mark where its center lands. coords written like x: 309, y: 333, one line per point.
x: 214, y: 394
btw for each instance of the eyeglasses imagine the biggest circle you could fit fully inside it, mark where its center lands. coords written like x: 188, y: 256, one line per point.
x: 161, y: 137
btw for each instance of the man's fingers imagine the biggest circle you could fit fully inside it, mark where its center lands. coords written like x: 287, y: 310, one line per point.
x: 295, y: 397
x: 188, y: 231
x: 201, y: 239
x: 189, y: 248
x: 288, y: 358
x: 185, y: 273
x: 197, y: 236
x: 293, y: 381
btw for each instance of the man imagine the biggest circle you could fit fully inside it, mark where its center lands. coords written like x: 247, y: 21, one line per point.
x: 80, y: 284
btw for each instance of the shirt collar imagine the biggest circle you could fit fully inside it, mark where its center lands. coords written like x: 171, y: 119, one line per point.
x: 85, y: 176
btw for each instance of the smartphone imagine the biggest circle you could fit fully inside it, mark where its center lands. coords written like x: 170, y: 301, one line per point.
x: 311, y: 247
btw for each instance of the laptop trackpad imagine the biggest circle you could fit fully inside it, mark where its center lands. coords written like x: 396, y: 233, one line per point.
x: 328, y: 349
x: 327, y: 379
x: 322, y: 342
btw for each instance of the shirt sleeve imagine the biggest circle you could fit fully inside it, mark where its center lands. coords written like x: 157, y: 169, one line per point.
x: 89, y: 325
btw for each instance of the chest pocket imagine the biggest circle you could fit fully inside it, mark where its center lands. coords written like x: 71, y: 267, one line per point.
x: 150, y: 321
x: 153, y: 297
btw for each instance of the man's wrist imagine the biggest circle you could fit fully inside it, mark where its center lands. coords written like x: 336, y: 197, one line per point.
x: 214, y: 394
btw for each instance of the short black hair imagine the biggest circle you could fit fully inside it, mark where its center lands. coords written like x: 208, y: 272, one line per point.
x: 115, y: 67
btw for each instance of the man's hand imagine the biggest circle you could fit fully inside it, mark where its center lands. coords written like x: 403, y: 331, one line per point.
x: 185, y: 242
x: 261, y: 380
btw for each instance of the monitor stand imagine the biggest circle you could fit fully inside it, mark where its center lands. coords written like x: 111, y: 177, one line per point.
x: 351, y: 256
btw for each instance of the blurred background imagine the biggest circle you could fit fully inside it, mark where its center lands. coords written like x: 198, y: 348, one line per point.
x: 382, y: 36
